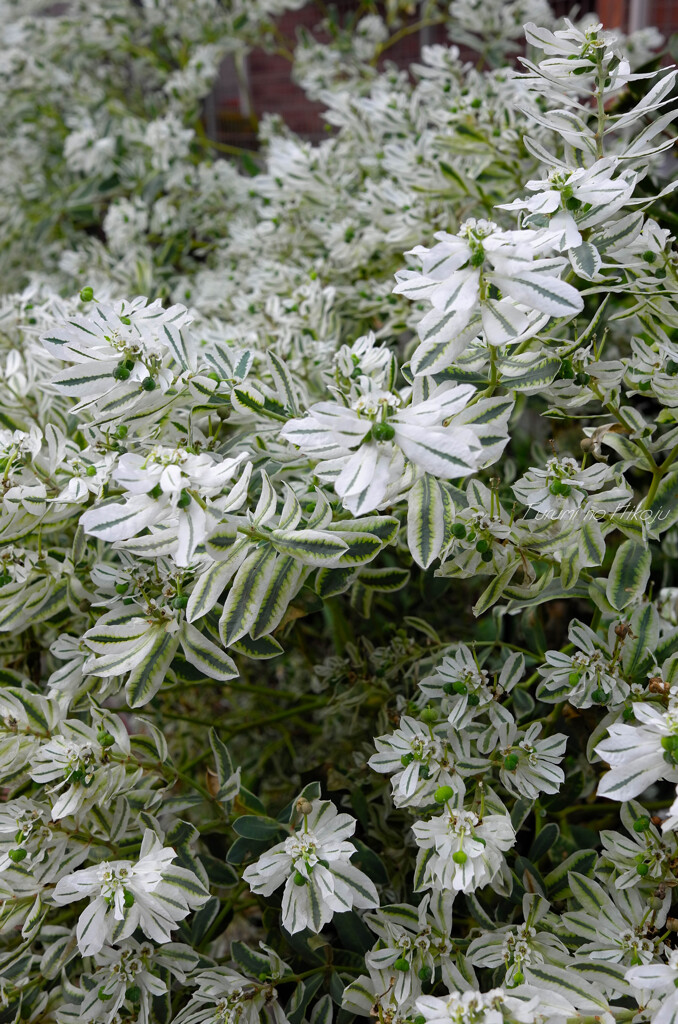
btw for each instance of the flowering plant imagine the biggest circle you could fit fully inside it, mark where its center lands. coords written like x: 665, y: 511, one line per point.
x: 338, y: 512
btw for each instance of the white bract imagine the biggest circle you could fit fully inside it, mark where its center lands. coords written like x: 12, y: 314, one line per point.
x: 151, y: 894
x: 314, y: 864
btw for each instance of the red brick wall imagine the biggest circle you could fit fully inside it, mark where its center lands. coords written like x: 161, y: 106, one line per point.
x: 272, y: 90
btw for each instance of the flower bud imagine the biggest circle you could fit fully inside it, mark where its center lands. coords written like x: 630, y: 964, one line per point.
x: 304, y: 806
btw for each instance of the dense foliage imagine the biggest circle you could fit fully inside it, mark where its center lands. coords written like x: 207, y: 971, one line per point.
x: 339, y: 521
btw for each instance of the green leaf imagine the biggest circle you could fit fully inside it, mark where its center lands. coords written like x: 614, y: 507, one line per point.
x: 251, y: 961
x: 629, y: 574
x: 283, y: 585
x: 206, y: 656
x: 312, y: 547
x: 252, y: 826
x: 249, y: 400
x: 557, y: 884
x: 145, y: 679
x: 262, y: 648
x: 244, y: 598
x: 360, y: 547
x: 210, y: 585
x: 385, y: 580
x: 643, y: 637
x: 590, y: 896
x: 330, y: 582
x: 429, y: 506
x: 544, y: 841
x: 245, y: 849
x: 493, y: 592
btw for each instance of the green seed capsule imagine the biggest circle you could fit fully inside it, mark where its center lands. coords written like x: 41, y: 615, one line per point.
x: 482, y: 545
x: 121, y: 431
x: 402, y: 964
x: 424, y: 974
x: 460, y: 687
x: 429, y: 715
x: 511, y: 762
x: 121, y: 588
x: 133, y: 993
x: 486, y: 556
x: 642, y: 823
x: 184, y: 499
x: 121, y: 372
x: 87, y: 294
x: 299, y: 878
x: 148, y: 384
x: 91, y: 471
x: 180, y: 601
x: 128, y: 898
x: 459, y: 857
x: 105, y: 738
x: 17, y: 855
x: 518, y: 978
x: 459, y: 531
x: 443, y: 794
x: 643, y: 869
x: 406, y: 759
x: 474, y: 700
x: 599, y: 696
x: 574, y: 678
x: 383, y: 432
